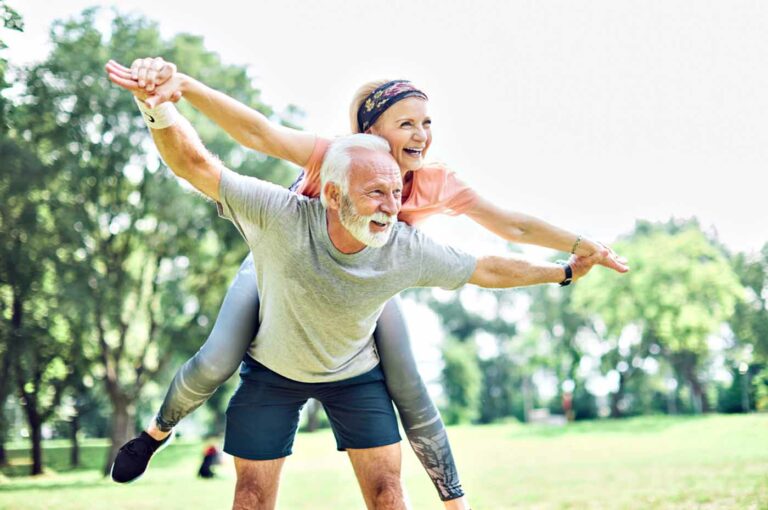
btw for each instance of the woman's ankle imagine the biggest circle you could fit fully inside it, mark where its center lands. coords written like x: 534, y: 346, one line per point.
x: 457, y: 504
x: 155, y: 433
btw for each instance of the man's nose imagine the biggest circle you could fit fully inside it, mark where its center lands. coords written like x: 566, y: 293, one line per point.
x: 390, y: 205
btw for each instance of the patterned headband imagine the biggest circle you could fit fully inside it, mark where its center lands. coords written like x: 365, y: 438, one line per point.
x: 382, y: 98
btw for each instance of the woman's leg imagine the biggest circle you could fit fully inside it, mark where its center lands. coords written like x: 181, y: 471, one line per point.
x: 420, y: 418
x: 220, y: 355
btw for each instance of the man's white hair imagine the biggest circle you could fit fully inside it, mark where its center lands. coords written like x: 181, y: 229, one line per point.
x: 337, y: 161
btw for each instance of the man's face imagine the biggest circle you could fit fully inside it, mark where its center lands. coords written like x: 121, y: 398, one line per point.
x: 369, y: 209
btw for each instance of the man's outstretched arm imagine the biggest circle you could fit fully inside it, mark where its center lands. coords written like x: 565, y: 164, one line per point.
x: 493, y: 272
x: 186, y: 156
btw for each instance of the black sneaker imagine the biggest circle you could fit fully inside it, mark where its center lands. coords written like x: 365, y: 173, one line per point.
x: 133, y: 457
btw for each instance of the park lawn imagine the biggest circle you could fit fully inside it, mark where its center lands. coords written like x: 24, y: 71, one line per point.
x: 711, y: 462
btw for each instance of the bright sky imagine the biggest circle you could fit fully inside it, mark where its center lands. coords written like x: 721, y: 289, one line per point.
x: 588, y: 114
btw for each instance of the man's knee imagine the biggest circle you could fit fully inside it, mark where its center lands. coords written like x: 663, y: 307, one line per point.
x: 257, y: 483
x: 388, y: 492
x: 251, y: 494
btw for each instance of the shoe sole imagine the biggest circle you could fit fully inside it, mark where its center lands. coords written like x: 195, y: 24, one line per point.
x: 159, y: 449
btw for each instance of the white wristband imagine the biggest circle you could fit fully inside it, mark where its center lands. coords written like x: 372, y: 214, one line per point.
x: 159, y: 117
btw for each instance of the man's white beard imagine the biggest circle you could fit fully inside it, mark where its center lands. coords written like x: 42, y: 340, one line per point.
x: 358, y: 225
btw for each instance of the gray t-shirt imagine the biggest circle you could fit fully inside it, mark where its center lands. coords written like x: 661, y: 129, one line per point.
x: 319, y: 306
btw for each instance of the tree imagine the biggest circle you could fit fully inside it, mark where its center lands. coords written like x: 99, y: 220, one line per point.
x: 461, y: 382
x: 559, y: 325
x: 749, y: 323
x: 680, y: 291
x: 10, y: 21
x: 493, y: 398
x: 135, y: 232
x: 32, y: 353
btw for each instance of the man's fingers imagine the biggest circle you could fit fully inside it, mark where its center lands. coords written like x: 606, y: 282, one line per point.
x: 135, y: 68
x: 151, y: 78
x: 155, y: 65
x: 144, y: 67
x: 176, y: 96
x: 165, y: 73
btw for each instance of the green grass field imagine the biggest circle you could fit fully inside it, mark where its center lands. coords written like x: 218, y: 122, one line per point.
x: 712, y: 462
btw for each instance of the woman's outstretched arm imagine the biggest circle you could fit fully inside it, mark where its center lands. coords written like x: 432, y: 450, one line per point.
x: 249, y: 127
x: 522, y: 228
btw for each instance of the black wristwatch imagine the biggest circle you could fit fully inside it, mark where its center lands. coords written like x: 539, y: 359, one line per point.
x: 568, y: 273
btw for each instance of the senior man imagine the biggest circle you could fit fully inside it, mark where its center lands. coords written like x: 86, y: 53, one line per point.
x: 325, y: 269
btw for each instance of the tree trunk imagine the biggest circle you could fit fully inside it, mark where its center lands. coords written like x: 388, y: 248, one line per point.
x: 685, y: 365
x: 123, y: 429
x: 527, y: 404
x: 700, y: 403
x: 74, y: 449
x: 617, y: 397
x: 672, y: 401
x: 3, y: 426
x: 36, y: 436
x: 35, y: 423
x: 745, y: 407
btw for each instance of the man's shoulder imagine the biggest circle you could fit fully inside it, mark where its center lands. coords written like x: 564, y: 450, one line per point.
x: 405, y: 237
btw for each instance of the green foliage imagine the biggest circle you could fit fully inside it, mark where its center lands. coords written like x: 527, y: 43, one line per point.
x: 130, y: 266
x: 681, y: 290
x: 760, y: 382
x: 750, y: 318
x: 501, y: 396
x: 733, y: 397
x: 10, y: 20
x: 461, y: 382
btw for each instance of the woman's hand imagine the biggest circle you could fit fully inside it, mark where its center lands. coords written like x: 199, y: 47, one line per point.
x: 605, y: 256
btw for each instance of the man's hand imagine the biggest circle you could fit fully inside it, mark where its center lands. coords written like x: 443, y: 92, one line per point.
x: 581, y: 264
x: 149, y: 80
x: 151, y: 72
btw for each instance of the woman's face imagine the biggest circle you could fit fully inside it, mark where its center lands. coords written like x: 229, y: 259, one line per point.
x: 407, y: 127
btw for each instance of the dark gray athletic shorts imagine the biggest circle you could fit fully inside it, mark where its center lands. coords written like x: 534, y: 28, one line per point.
x: 263, y: 414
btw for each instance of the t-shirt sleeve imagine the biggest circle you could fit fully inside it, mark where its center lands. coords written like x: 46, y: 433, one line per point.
x: 443, y: 266
x: 459, y: 196
x: 252, y: 204
x: 310, y: 183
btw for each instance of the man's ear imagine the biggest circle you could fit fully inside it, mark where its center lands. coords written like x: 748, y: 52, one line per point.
x: 332, y: 193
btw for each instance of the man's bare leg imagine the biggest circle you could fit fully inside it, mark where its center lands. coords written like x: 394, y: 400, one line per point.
x: 378, y: 473
x: 257, y: 482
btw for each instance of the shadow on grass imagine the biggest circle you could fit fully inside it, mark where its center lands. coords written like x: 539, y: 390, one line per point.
x: 56, y: 459
x: 48, y: 485
x: 634, y: 426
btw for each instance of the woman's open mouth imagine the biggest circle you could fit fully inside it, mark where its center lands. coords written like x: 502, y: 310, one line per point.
x: 414, y: 153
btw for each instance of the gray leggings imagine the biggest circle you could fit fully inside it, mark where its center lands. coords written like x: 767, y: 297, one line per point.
x: 235, y: 328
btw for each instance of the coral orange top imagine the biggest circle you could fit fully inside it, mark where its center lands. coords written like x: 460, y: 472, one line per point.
x: 435, y: 189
